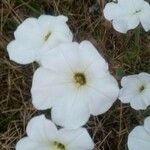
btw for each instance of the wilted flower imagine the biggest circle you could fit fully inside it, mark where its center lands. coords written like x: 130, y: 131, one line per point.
x: 42, y: 134
x: 34, y: 34
x: 127, y: 14
x: 139, y: 138
x: 75, y: 82
x: 136, y: 90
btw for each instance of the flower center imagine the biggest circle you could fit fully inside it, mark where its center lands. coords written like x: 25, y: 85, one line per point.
x: 47, y: 36
x: 141, y: 89
x: 137, y: 11
x: 80, y: 79
x: 58, y: 146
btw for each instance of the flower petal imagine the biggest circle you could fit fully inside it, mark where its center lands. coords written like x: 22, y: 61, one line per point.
x: 144, y: 77
x: 138, y: 103
x: 129, y: 80
x: 100, y: 104
x: 27, y: 144
x: 40, y: 129
x: 112, y: 11
x: 28, y: 32
x: 130, y: 86
x: 61, y: 56
x: 132, y: 21
x: 76, y: 139
x: 120, y: 25
x: 139, y: 139
x: 90, y: 56
x: 48, y: 21
x: 126, y: 94
x: 42, y: 80
x: 147, y: 124
x: 131, y: 5
x: 146, y: 96
x: 47, y: 87
x: 63, y: 36
x: 145, y: 21
x: 63, y: 32
x: 41, y: 83
x: 19, y: 53
x: 102, y: 94
x: 72, y: 110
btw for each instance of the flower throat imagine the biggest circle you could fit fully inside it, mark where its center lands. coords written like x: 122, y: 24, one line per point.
x: 80, y: 79
x: 59, y: 146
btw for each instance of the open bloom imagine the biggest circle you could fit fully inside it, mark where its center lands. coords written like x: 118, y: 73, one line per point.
x: 74, y: 81
x: 127, y: 14
x: 33, y: 34
x: 136, y: 90
x: 139, y: 138
x: 42, y: 134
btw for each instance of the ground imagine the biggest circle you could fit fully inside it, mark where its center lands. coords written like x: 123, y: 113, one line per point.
x: 126, y: 54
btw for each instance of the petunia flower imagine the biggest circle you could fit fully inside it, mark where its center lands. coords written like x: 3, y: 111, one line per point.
x: 42, y: 134
x: 75, y: 82
x: 127, y: 14
x: 136, y: 90
x: 34, y: 34
x: 139, y: 138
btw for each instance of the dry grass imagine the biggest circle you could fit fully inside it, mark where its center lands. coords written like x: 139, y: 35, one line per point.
x: 126, y: 54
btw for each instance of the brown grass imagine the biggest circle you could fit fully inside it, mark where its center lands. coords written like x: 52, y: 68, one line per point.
x: 126, y: 54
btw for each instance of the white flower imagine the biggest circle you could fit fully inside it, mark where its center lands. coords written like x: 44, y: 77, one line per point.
x: 74, y: 81
x: 127, y: 14
x: 139, y: 138
x: 136, y: 90
x: 34, y: 34
x: 42, y: 134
